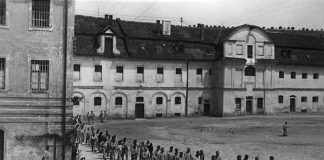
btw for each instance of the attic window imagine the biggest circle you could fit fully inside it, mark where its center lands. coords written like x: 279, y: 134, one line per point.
x: 166, y: 28
x: 108, y: 45
x: 285, y: 53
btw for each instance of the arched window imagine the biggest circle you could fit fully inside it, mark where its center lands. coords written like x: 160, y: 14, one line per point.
x: 2, y: 144
x: 119, y: 101
x: 159, y: 100
x: 249, y: 71
x: 97, y: 101
x: 76, y: 101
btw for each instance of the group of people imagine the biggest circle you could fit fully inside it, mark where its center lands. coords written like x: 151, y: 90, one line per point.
x: 91, y: 117
x: 113, y: 149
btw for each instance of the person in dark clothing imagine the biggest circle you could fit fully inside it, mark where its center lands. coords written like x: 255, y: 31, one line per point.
x: 285, y: 127
x: 150, y: 148
x: 246, y: 157
x: 239, y: 157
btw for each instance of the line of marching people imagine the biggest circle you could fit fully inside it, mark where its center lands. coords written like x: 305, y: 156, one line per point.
x: 114, y: 149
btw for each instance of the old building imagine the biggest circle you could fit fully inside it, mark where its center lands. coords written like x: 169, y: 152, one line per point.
x: 31, y: 76
x: 145, y: 70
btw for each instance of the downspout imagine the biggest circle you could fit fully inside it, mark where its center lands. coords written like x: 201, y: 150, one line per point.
x: 187, y: 84
x: 264, y: 98
x: 65, y: 24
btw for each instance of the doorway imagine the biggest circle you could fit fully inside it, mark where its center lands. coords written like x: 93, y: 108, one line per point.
x: 292, y: 104
x: 139, y: 110
x: 249, y: 104
x: 206, y: 108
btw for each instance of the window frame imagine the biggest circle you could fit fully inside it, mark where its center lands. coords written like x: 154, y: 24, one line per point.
x: 159, y: 70
x: 119, y: 101
x: 140, y: 68
x: 159, y: 100
x: 3, y: 18
x: 97, y: 69
x: 315, y: 75
x: 3, y: 69
x: 303, y: 99
x: 281, y: 74
x: 199, y: 71
x: 178, y: 71
x: 238, y: 106
x: 248, y: 54
x: 77, y: 68
x: 280, y: 99
x: 315, y: 99
x: 177, y: 100
x: 199, y: 100
x: 33, y: 18
x: 304, y: 75
x: 248, y: 72
x: 139, y: 99
x: 96, y: 101
x: 37, y: 61
x: 260, y: 103
x: 292, y: 75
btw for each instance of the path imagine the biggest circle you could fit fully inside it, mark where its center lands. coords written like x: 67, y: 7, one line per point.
x: 86, y: 152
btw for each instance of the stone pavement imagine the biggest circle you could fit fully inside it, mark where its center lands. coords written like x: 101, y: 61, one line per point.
x: 86, y: 152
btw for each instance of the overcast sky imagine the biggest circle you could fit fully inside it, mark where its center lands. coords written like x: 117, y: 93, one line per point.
x: 297, y: 13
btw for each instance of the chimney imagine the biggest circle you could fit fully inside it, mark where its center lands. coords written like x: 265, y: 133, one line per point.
x: 110, y: 20
x: 202, y: 30
x: 157, y: 27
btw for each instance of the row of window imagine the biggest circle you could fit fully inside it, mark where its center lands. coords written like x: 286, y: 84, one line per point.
x: 40, y: 13
x: 39, y: 74
x: 302, y: 99
x: 238, y: 103
x: 119, y: 100
x: 139, y: 71
x: 293, y: 75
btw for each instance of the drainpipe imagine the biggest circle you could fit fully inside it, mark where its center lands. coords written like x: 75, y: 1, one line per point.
x: 187, y: 84
x: 65, y: 24
x: 264, y: 71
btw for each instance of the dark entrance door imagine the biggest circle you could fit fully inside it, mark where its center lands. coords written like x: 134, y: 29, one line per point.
x: 292, y: 105
x: 1, y: 145
x: 206, y: 109
x: 139, y: 110
x: 249, y: 104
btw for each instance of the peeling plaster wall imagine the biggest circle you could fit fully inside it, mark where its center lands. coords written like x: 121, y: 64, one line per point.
x: 22, y: 111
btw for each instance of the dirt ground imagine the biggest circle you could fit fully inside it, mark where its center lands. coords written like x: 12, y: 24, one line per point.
x: 252, y: 135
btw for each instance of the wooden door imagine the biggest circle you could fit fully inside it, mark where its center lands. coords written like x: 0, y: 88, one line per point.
x: 139, y: 110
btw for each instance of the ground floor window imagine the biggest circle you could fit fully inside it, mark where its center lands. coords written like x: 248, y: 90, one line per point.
x: 260, y: 103
x: 238, y: 103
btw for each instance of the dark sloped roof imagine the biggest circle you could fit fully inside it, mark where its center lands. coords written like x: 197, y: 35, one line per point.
x: 145, y: 40
x: 297, y: 41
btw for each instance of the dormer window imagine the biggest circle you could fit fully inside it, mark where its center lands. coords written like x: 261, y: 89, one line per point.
x: 108, y: 45
x: 166, y: 28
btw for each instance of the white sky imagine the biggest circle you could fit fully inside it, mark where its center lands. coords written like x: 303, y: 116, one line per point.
x: 297, y: 13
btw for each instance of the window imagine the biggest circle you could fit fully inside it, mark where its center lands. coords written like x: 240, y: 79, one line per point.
x: 239, y: 50
x: 119, y: 73
x: 199, y: 75
x: 293, y: 75
x: 2, y: 73
x: 140, y: 70
x: 178, y: 70
x: 210, y: 71
x: 199, y: 71
x: 199, y: 100
x: 41, y: 13
x: 139, y: 99
x: 238, y: 103
x: 315, y: 76
x: 76, y: 72
x: 177, y: 100
x: 249, y: 51
x: 159, y: 75
x: 304, y: 75
x: 98, y: 73
x: 108, y: 45
x: 2, y: 12
x: 140, y: 74
x: 119, y: 101
x: 260, y: 103
x: 303, y: 99
x: 178, y: 76
x: 97, y: 101
x: 281, y: 74
x: 39, y: 75
x: 159, y: 100
x: 249, y: 71
x: 315, y: 99
x: 280, y: 99
x: 75, y: 101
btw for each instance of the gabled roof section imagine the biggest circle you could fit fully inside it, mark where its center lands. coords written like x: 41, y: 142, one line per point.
x: 250, y: 27
x: 105, y: 29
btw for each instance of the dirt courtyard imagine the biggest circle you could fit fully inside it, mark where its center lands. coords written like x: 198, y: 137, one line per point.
x: 252, y: 135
